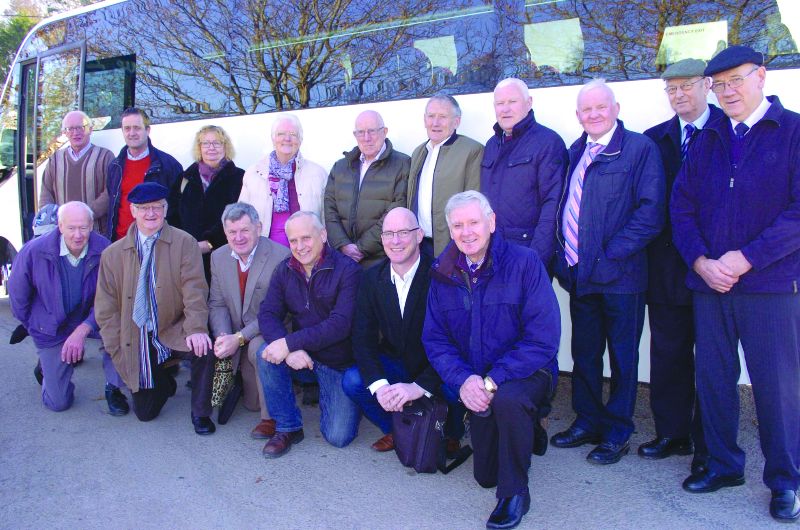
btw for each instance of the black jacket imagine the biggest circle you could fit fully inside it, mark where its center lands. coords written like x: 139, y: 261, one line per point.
x: 380, y: 330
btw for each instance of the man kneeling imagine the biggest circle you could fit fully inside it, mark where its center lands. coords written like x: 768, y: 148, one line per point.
x: 317, y: 288
x: 492, y: 331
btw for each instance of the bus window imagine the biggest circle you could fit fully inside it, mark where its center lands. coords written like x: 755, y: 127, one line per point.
x: 57, y: 93
x: 107, y: 89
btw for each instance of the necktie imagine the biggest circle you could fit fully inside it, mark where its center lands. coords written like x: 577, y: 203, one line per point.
x: 738, y: 142
x: 690, y: 129
x: 574, y: 205
x: 141, y: 306
x: 741, y: 130
x: 473, y: 268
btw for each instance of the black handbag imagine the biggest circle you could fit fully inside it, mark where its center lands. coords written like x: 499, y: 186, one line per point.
x: 418, y: 432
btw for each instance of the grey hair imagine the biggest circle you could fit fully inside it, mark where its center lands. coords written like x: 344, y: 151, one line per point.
x: 465, y: 197
x: 521, y: 86
x: 86, y: 119
x: 75, y: 204
x: 291, y: 118
x: 598, y: 82
x: 445, y: 98
x: 313, y: 215
x: 237, y: 210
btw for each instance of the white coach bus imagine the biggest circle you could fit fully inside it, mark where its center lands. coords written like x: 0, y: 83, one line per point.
x: 236, y: 63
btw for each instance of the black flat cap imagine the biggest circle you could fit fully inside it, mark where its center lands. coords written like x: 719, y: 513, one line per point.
x: 733, y: 56
x: 148, y: 192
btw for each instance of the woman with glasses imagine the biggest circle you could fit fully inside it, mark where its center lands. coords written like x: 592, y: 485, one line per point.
x: 284, y: 182
x: 207, y: 187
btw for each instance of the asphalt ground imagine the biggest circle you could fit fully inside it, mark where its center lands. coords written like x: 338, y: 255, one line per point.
x: 85, y: 469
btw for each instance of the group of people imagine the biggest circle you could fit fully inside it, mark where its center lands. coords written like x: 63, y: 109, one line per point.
x: 393, y: 277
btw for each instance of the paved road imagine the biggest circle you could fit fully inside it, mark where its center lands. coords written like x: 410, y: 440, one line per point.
x: 85, y: 469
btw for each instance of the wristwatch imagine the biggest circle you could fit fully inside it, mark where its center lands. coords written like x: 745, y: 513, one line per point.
x: 241, y: 338
x: 489, y: 385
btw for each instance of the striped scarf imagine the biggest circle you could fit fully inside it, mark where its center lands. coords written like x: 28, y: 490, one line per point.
x: 145, y: 368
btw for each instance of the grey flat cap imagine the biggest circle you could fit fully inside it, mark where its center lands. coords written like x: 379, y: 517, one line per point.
x: 685, y: 68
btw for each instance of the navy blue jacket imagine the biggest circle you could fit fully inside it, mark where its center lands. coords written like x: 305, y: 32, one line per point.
x: 506, y: 324
x: 522, y: 179
x: 753, y: 207
x: 666, y: 270
x: 164, y: 169
x: 380, y: 330
x: 622, y: 210
x: 321, y: 308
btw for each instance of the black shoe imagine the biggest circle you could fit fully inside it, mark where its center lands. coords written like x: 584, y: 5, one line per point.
x: 663, y: 447
x: 37, y: 373
x: 784, y: 506
x: 230, y: 401
x: 608, y: 453
x: 699, y: 463
x: 710, y: 481
x: 574, y: 437
x: 539, y: 439
x: 117, y: 403
x: 18, y: 335
x: 509, y: 511
x: 310, y: 393
x: 203, y: 425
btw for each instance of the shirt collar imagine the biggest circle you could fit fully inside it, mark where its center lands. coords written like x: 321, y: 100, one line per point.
x: 144, y: 154
x: 79, y: 154
x: 245, y: 265
x: 699, y: 123
x: 756, y: 115
x: 430, y: 147
x: 383, y: 148
x: 606, y: 138
x: 64, y: 251
x: 408, y: 276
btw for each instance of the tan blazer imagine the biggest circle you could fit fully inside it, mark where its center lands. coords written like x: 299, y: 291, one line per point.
x: 181, y: 293
x: 227, y: 313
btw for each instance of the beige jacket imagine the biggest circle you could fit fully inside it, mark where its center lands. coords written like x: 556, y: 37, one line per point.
x: 309, y: 179
x: 181, y: 293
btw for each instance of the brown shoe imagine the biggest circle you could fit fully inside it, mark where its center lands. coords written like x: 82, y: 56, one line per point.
x: 264, y: 430
x: 385, y: 443
x: 281, y: 442
x: 452, y: 446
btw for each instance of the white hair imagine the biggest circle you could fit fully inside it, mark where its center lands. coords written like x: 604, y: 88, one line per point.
x: 593, y: 84
x: 291, y: 118
x: 520, y: 85
x: 466, y: 197
x: 75, y: 204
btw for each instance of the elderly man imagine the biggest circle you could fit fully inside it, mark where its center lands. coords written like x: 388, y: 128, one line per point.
x: 676, y: 411
x: 240, y: 276
x: 137, y: 162
x: 151, y: 307
x: 392, y: 368
x: 492, y: 331
x: 735, y: 219
x: 52, y: 291
x: 316, y: 288
x: 368, y: 182
x: 612, y: 207
x: 78, y: 173
x: 448, y: 163
x: 523, y: 170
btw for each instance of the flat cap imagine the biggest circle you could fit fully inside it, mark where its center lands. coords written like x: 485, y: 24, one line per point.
x: 148, y: 192
x: 685, y: 68
x: 733, y: 56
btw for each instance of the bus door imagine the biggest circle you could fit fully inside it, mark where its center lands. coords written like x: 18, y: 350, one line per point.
x: 50, y: 87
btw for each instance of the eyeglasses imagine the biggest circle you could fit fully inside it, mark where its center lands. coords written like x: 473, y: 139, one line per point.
x: 215, y: 145
x: 671, y: 90
x: 74, y: 129
x: 401, y: 234
x: 361, y: 133
x: 156, y: 208
x: 733, y: 82
x: 290, y: 135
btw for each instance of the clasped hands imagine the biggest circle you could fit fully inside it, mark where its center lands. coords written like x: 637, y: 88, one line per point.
x: 723, y: 273
x: 277, y: 351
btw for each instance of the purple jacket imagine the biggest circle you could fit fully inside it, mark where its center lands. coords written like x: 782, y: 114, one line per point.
x: 506, y: 324
x: 34, y: 289
x: 321, y: 309
x: 753, y: 207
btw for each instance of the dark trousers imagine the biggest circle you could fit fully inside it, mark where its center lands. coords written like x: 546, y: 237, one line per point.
x: 597, y: 320
x: 502, y: 441
x: 676, y: 409
x: 148, y: 402
x: 768, y: 326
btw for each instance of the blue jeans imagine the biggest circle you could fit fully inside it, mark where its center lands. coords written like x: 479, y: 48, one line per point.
x: 597, y: 320
x: 394, y: 371
x: 339, y: 415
